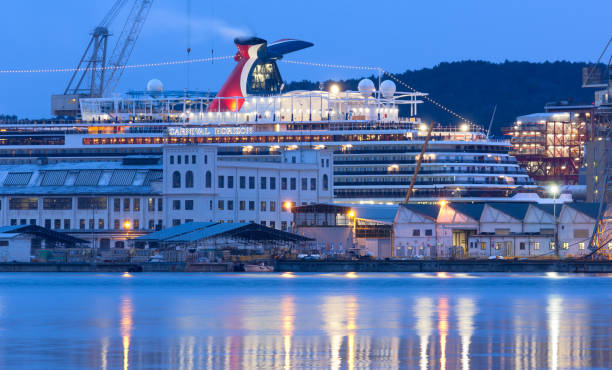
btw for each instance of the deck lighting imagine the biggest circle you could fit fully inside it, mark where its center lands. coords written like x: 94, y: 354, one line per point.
x: 423, y: 127
x: 334, y: 89
x: 464, y: 127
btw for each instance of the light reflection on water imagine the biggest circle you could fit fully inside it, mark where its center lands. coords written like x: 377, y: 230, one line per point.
x: 191, y: 321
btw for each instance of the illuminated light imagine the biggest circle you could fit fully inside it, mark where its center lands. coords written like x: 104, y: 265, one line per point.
x: 126, y: 275
x: 554, y: 189
x: 127, y: 224
x: 334, y: 89
x: 351, y: 275
x: 443, y: 202
x: 442, y: 275
x: 351, y: 214
x: 287, y: 205
x: 288, y: 275
x: 423, y: 127
x: 464, y: 127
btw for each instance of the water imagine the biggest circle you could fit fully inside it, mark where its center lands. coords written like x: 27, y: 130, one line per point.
x: 186, y: 321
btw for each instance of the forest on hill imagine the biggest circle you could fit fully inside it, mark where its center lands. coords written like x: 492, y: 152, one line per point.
x: 473, y: 88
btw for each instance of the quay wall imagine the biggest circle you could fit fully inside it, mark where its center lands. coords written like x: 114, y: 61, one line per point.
x: 567, y: 266
x: 68, y: 267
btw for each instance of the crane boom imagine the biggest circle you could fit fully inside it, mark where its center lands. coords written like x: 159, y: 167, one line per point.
x: 418, y: 164
x: 126, y: 41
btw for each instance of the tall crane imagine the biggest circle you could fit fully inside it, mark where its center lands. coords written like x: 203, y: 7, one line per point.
x: 417, y: 168
x: 95, y: 76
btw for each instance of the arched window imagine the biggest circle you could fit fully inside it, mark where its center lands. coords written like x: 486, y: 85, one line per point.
x: 325, y: 182
x: 208, y: 179
x: 176, y: 179
x: 189, y: 179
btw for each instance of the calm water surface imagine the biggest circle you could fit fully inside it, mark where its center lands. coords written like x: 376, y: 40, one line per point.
x: 235, y: 321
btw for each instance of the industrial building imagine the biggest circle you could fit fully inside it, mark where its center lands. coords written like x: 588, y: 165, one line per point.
x: 109, y: 202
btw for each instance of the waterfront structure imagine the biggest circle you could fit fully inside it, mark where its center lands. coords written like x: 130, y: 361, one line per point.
x: 489, y: 230
x: 19, y: 242
x: 112, y: 201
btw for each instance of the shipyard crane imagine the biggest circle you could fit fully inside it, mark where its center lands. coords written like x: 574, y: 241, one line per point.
x: 419, y: 162
x: 95, y: 75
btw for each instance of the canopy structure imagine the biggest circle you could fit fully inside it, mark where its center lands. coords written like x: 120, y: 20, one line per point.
x: 43, y: 233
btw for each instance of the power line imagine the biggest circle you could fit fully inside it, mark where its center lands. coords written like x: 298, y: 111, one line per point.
x: 129, y: 66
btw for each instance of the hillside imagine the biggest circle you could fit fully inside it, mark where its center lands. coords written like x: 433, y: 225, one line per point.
x: 472, y: 88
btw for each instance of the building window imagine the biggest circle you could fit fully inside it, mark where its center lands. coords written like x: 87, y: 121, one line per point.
x: 313, y: 184
x: 66, y: 224
x: 23, y: 203
x: 188, y: 220
x: 416, y: 232
x: 283, y: 183
x: 205, y: 159
x: 189, y: 179
x: 57, y: 203
x: 262, y: 206
x: 32, y: 221
x: 273, y: 224
x: 119, y: 244
x: 272, y: 206
x: 293, y: 183
x: 151, y: 224
x: 263, y: 223
x: 208, y: 179
x: 23, y: 221
x: 92, y: 224
x: 48, y: 223
x: 581, y: 245
x: 220, y: 205
x: 136, y: 204
x: 221, y: 182
x: 91, y: 203
x: 210, y: 205
x: 150, y: 204
x: 536, y: 245
x: 272, y: 183
x: 176, y: 179
x: 171, y: 159
x: 304, y: 184
x: 178, y: 159
x: 117, y: 205
x: 498, y: 245
x: 186, y: 159
x: 189, y: 204
x: 230, y: 205
x: 251, y: 182
x: 284, y: 225
x: 522, y: 245
x: 428, y: 232
x: 56, y: 224
x: 126, y: 204
x: 176, y: 205
x: 14, y: 222
x: 325, y: 183
x: 81, y: 224
x: 160, y: 204
x: 552, y: 245
x: 242, y: 205
x: 483, y: 246
x: 251, y: 205
x: 116, y: 224
x: 193, y: 159
x: 101, y: 223
x: 230, y: 182
x: 242, y: 182
x: 262, y: 183
x: 137, y: 222
x: 176, y: 222
x: 565, y: 245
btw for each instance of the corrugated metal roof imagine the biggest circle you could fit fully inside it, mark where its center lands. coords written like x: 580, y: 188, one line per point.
x: 165, y: 234
x: 54, y: 178
x: 8, y: 229
x: 88, y: 177
x: 589, y: 209
x: 153, y: 175
x: 549, y: 208
x: 17, y: 178
x: 473, y: 210
x: 428, y: 210
x: 207, y: 232
x: 376, y: 212
x: 122, y: 177
x: 516, y: 210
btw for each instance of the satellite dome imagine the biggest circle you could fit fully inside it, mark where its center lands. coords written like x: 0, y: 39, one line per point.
x: 155, y: 85
x: 366, y: 87
x: 387, y: 89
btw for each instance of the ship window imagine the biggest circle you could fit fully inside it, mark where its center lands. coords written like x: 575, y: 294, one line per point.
x: 264, y: 78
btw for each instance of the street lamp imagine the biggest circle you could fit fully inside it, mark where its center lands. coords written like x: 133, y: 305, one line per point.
x: 554, y: 191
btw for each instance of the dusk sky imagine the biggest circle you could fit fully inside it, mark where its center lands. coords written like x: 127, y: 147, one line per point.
x: 396, y: 35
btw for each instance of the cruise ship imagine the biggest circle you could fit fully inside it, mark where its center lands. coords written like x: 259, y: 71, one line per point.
x: 375, y: 147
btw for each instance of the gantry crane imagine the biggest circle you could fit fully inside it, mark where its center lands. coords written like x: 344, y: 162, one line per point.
x: 95, y: 76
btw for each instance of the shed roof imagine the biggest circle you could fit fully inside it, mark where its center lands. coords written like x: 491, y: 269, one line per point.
x: 249, y: 231
x: 515, y: 210
x: 429, y: 210
x: 473, y: 210
x: 42, y: 233
x: 589, y: 209
x: 175, y: 231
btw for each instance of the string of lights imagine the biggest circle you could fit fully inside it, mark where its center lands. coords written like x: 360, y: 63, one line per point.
x: 382, y: 71
x: 129, y: 66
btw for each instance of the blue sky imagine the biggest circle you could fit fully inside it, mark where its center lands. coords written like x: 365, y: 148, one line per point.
x: 396, y: 35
